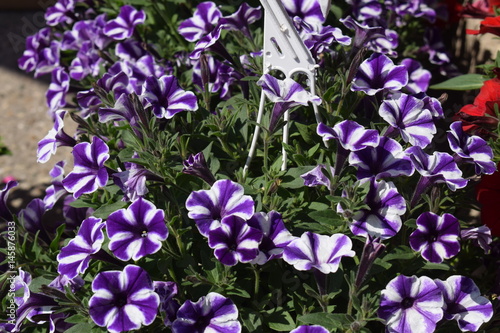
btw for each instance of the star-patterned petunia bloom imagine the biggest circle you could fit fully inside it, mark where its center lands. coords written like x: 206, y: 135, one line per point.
x: 351, y: 135
x: 136, y: 231
x: 234, y: 241
x: 321, y: 252
x: 55, y: 138
x: 123, y: 26
x: 89, y: 172
x: 208, y: 207
x: 58, y: 88
x: 123, y: 300
x: 379, y: 73
x: 437, y: 168
x: 472, y: 149
x: 166, y: 98
x: 406, y: 114
x: 74, y: 258
x: 382, y: 218
x: 418, y: 77
x: 204, y: 20
x: 411, y: 304
x: 286, y: 94
x: 310, y: 329
x: 275, y: 236
x: 436, y: 237
x: 60, y: 13
x: 463, y: 302
x: 211, y: 313
x: 242, y: 18
x: 305, y: 14
x: 385, y: 160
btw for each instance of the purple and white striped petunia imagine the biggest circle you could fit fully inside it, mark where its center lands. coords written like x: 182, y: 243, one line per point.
x: 58, y: 88
x: 196, y: 165
x: 275, y: 236
x: 235, y: 241
x: 55, y: 138
x: 286, y: 94
x: 310, y: 329
x: 136, y: 231
x: 305, y: 14
x: 436, y: 237
x: 418, y: 77
x: 406, y: 114
x: 351, y: 135
x: 168, y: 305
x: 437, y: 168
x: 385, y: 160
x: 123, y: 26
x: 89, y: 172
x: 322, y: 252
x: 411, y: 304
x: 205, y: 18
x: 379, y: 73
x: 208, y: 207
x: 317, y: 176
x: 56, y: 190
x: 60, y: 13
x: 472, y: 149
x: 74, y: 258
x: 382, y: 218
x: 211, y: 313
x: 166, y: 98
x: 123, y: 300
x: 31, y: 216
x: 463, y: 302
x: 210, y: 42
x: 242, y: 18
x: 480, y: 236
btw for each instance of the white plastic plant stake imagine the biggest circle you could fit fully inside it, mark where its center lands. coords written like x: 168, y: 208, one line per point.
x: 285, y: 51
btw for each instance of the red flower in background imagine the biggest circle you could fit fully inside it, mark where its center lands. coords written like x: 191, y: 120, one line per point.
x: 480, y: 118
x: 489, y: 24
x: 488, y: 195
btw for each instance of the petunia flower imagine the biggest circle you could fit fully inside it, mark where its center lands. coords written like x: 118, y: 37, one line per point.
x: 208, y: 207
x: 318, y: 251
x: 463, y: 302
x: 488, y: 25
x: 305, y: 14
x: 286, y: 94
x: 168, y: 305
x: 56, y: 190
x: 166, y: 98
x: 436, y: 237
x: 418, y: 77
x: 241, y: 19
x: 480, y: 236
x: 56, y: 137
x: 58, y: 88
x: 74, y: 258
x: 89, y: 172
x: 122, y: 27
x: 60, y: 13
x: 204, y: 20
x: 385, y: 160
x: 275, y: 236
x: 34, y: 44
x: 5, y: 213
x: 379, y: 73
x: 406, y: 114
x: 31, y: 216
x: 351, y: 135
x: 382, y: 218
x: 136, y: 231
x: 437, y: 168
x: 196, y: 165
x: 411, y: 304
x: 317, y: 176
x: 234, y: 241
x: 471, y: 149
x: 310, y: 329
x: 211, y: 42
x: 123, y: 300
x: 211, y: 313
x: 132, y: 181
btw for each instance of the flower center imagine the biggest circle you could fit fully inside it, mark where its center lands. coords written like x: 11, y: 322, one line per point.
x: 407, y: 302
x: 202, y: 323
x: 121, y: 300
x: 144, y: 233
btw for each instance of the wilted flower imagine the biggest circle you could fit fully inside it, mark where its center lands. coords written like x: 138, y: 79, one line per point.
x: 136, y: 231
x: 411, y: 304
x: 196, y: 165
x: 436, y: 237
x: 318, y: 251
x: 480, y: 236
x: 317, y: 177
x: 211, y: 313
x: 168, y: 305
x: 123, y: 300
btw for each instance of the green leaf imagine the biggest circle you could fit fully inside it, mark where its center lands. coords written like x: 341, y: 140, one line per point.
x: 327, y: 216
x: 462, y: 82
x: 54, y: 245
x: 292, y: 177
x: 81, y: 327
x: 401, y: 252
x: 104, y: 211
x: 281, y: 321
x: 330, y: 321
x: 76, y: 319
x: 432, y: 266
